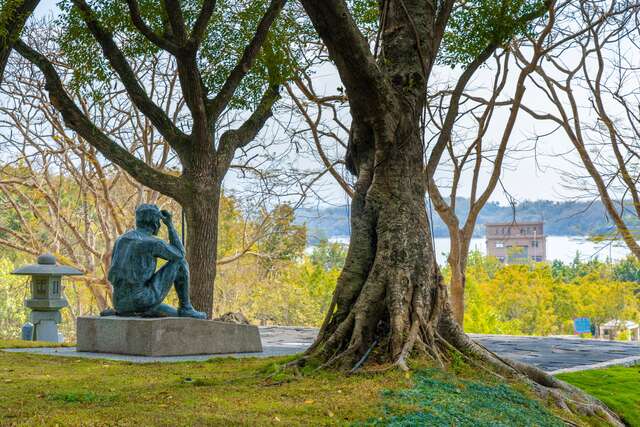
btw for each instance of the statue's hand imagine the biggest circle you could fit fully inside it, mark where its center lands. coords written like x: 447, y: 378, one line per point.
x: 166, y: 216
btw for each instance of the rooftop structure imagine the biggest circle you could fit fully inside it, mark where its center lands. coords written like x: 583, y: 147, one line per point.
x: 517, y: 242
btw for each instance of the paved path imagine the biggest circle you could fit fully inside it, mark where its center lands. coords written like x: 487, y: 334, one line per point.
x: 552, y: 354
x: 559, y: 354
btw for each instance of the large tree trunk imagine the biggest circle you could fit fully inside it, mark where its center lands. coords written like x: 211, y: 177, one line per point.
x: 390, y: 294
x: 201, y: 244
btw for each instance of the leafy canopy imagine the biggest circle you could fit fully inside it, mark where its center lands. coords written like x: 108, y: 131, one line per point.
x: 229, y: 31
x: 473, y: 25
x: 476, y: 24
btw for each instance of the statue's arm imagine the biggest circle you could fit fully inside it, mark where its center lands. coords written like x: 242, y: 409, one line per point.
x: 166, y: 251
x: 174, y: 239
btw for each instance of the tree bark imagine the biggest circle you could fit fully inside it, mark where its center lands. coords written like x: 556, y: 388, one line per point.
x: 457, y: 260
x: 201, y: 213
x: 13, y: 16
x: 390, y: 293
x: 458, y: 282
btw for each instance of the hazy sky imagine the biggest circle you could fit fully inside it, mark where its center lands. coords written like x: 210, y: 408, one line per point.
x: 525, y: 177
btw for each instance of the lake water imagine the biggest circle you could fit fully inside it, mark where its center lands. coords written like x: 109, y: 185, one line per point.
x: 563, y: 248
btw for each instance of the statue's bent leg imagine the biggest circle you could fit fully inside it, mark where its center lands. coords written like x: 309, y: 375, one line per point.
x: 163, y: 280
x: 161, y: 310
x: 174, y: 273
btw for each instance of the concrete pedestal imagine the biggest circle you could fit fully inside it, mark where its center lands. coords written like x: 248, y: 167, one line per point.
x: 169, y: 336
x: 45, y: 325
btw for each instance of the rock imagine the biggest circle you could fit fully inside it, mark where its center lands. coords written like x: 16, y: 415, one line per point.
x: 232, y: 317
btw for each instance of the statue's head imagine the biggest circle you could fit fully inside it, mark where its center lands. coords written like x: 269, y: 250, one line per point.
x: 148, y: 217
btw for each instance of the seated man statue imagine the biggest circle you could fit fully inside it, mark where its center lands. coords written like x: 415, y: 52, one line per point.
x: 138, y: 289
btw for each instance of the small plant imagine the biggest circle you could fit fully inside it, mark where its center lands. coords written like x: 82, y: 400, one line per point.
x: 78, y: 397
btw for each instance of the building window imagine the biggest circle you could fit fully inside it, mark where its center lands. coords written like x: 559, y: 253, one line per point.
x: 499, y: 244
x: 534, y: 243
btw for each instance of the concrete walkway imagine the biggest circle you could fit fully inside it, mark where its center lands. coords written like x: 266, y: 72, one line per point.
x: 552, y: 354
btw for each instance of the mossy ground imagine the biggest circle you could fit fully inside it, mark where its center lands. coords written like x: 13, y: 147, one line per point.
x: 618, y: 387
x: 47, y: 390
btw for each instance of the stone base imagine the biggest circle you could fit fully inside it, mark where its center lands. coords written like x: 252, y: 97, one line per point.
x: 168, y: 336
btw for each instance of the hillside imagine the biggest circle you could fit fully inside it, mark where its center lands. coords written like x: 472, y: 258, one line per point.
x: 561, y: 218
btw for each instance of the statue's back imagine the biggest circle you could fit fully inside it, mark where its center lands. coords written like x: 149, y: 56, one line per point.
x: 132, y: 261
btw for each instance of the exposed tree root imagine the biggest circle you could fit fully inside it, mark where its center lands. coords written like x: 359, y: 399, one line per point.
x: 438, y: 337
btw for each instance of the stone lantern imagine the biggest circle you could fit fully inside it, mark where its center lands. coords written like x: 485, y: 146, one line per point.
x: 47, y: 297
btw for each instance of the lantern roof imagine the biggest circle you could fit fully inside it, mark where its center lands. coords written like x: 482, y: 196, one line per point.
x: 47, y: 265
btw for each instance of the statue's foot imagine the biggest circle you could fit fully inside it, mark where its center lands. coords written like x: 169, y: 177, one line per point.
x: 108, y: 312
x: 191, y: 312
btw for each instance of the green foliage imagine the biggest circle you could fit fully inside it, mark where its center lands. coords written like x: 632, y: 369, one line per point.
x: 284, y: 241
x: 628, y: 270
x: 476, y: 24
x: 13, y: 291
x: 543, y: 299
x: 79, y: 397
x: 618, y: 387
x: 297, y: 293
x: 329, y: 255
x: 367, y: 14
x: 229, y: 31
x: 439, y: 399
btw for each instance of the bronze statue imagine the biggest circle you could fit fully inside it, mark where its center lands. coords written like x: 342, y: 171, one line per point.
x: 138, y: 289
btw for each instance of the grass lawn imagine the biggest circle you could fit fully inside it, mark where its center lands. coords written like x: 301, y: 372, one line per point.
x: 30, y: 344
x: 618, y: 387
x: 47, y: 390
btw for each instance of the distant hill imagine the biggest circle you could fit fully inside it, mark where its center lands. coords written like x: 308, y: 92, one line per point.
x: 560, y: 218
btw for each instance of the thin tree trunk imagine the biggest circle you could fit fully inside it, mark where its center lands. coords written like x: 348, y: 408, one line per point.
x: 201, y: 244
x: 458, y: 281
x: 457, y: 261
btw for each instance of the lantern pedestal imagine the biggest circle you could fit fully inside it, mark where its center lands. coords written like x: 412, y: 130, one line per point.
x: 45, y: 325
